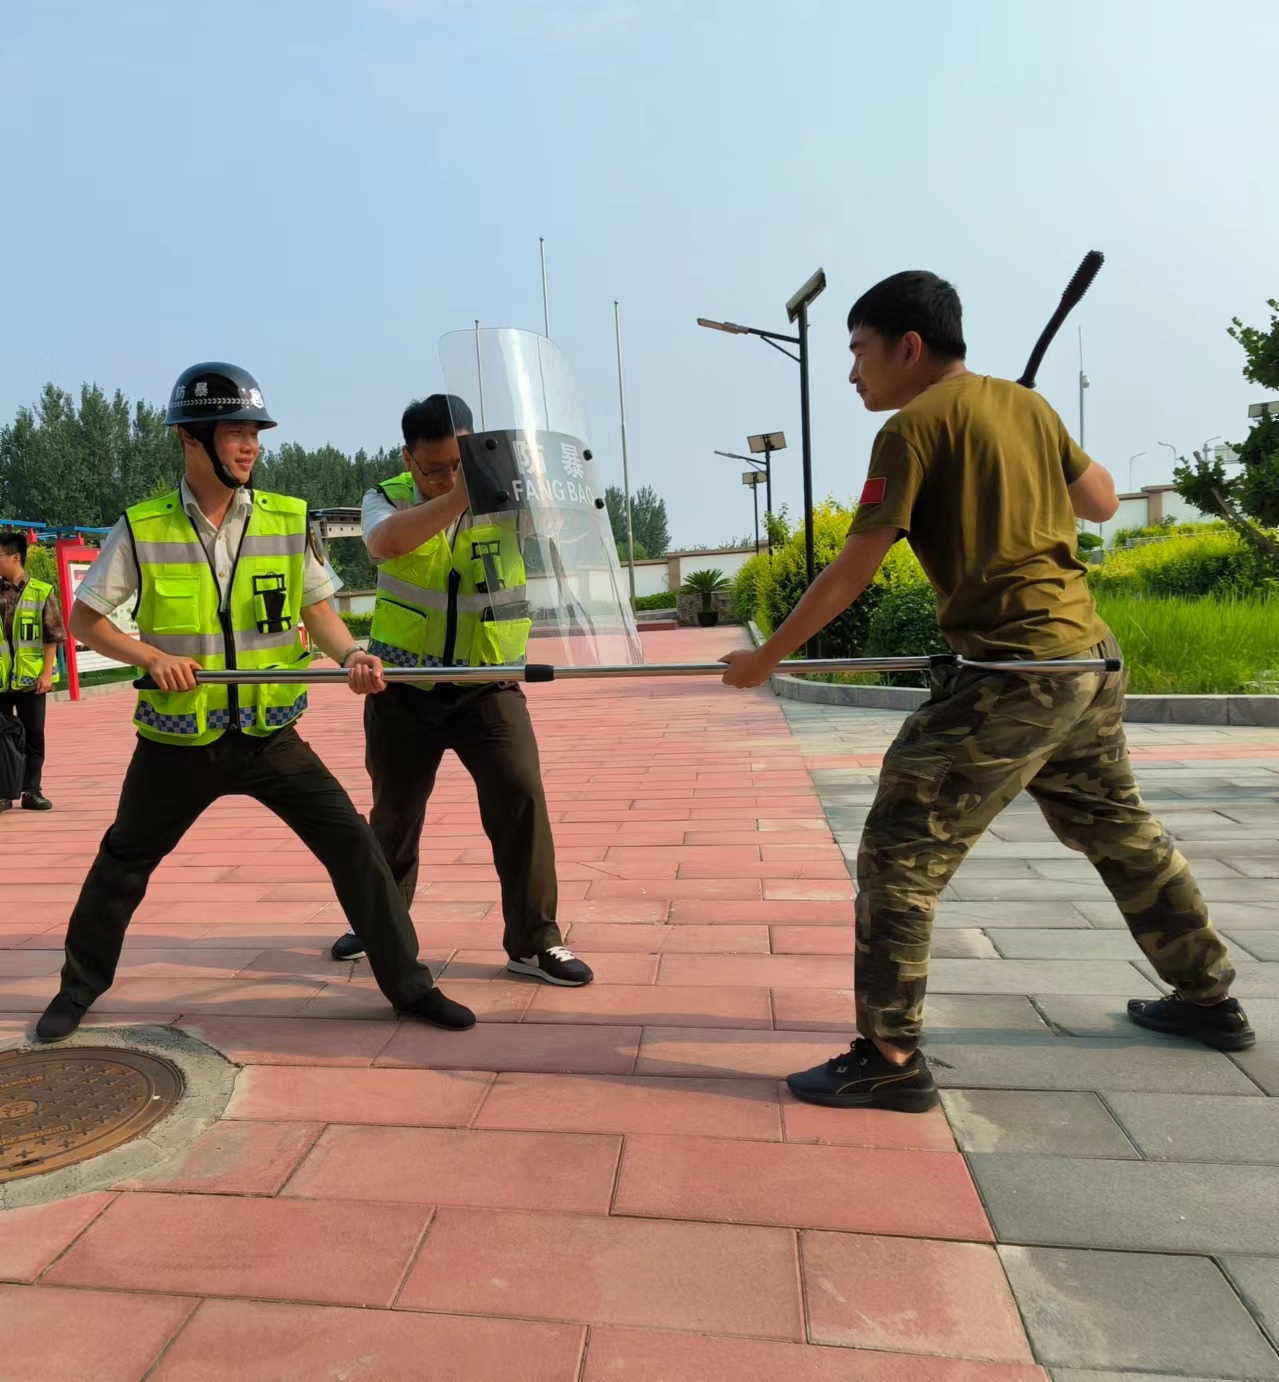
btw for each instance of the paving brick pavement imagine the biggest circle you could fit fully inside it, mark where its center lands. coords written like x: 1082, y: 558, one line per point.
x: 613, y: 1183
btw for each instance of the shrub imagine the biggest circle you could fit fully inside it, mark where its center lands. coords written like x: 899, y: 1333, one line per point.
x: 663, y: 600
x: 845, y: 636
x: 781, y: 588
x: 905, y: 625
x: 1219, y: 564
x: 358, y: 624
x: 1167, y: 527
x: 748, y: 585
x: 41, y: 564
x: 1089, y: 542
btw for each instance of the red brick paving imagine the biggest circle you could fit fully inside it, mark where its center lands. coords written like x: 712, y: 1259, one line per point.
x: 602, y: 1184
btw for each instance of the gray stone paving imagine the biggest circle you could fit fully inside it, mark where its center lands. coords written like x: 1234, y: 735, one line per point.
x: 1126, y: 1310
x: 1132, y: 1180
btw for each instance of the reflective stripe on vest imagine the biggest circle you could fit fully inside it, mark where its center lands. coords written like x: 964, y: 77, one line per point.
x: 179, y: 612
x: 434, y: 607
x: 22, y: 652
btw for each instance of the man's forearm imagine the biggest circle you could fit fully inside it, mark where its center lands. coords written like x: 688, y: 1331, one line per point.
x: 405, y: 531
x: 327, y: 630
x: 50, y: 656
x: 95, y: 630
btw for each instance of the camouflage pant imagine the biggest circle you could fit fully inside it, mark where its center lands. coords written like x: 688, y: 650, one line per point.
x: 980, y: 739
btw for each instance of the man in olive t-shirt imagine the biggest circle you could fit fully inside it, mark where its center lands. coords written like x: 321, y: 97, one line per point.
x: 980, y: 477
x: 976, y: 472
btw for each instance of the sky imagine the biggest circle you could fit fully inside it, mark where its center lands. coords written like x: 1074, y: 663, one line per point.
x: 319, y: 191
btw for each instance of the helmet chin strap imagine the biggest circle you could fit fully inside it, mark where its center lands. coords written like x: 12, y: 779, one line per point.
x: 223, y: 474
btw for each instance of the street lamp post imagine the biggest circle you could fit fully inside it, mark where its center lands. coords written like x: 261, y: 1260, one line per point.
x: 762, y: 472
x: 767, y: 443
x: 796, y: 312
x: 626, y: 465
x: 1131, y: 459
x: 753, y: 478
x: 1084, y: 383
x: 1173, y: 449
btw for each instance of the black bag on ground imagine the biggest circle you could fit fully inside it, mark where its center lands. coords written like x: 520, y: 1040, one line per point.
x: 13, y: 757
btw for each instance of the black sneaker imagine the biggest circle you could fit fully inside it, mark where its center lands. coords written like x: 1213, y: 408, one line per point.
x: 435, y: 1008
x: 60, y: 1019
x: 36, y: 801
x: 862, y: 1078
x: 1224, y: 1025
x: 348, y: 947
x: 558, y: 965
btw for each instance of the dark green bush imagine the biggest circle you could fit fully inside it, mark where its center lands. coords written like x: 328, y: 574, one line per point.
x: 358, y: 624
x: 664, y: 600
x: 905, y: 625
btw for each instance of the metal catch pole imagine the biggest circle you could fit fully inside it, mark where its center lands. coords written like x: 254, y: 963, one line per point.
x: 533, y: 672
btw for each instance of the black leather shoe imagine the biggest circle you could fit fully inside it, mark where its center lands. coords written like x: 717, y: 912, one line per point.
x: 36, y: 801
x: 1223, y: 1026
x: 60, y: 1019
x: 435, y: 1008
x: 862, y: 1078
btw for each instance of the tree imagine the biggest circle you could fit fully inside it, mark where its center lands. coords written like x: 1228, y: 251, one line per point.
x: 649, y: 527
x: 1248, y: 501
x: 82, y: 465
x: 648, y: 521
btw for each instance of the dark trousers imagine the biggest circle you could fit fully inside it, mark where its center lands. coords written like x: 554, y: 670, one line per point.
x: 168, y: 787
x: 29, y: 708
x: 406, y: 732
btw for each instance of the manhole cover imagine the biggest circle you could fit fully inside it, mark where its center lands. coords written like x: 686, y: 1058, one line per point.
x: 60, y: 1107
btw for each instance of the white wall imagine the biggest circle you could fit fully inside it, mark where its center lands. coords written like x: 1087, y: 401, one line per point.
x: 652, y: 576
x: 1133, y: 513
x: 1146, y: 508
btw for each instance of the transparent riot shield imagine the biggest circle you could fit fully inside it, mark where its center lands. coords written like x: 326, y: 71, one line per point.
x: 545, y: 562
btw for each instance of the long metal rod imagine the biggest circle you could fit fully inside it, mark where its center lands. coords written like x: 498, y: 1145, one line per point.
x: 768, y: 503
x: 814, y: 645
x: 479, y: 372
x: 626, y: 464
x: 546, y: 297
x: 536, y: 672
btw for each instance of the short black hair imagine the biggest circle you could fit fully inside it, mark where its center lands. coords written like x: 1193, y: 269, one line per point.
x: 14, y: 545
x: 435, y: 418
x: 915, y: 300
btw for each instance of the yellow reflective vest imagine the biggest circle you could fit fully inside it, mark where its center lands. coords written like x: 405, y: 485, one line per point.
x: 179, y: 612
x: 459, y: 604
x: 22, y: 653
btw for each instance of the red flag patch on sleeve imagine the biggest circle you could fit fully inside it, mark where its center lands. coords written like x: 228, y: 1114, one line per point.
x: 873, y: 490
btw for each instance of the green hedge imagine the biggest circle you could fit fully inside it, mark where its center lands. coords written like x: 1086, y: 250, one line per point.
x: 1168, y: 528
x: 359, y: 624
x: 905, y: 625
x: 1217, y: 564
x: 767, y: 591
x: 746, y: 587
x: 666, y: 600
